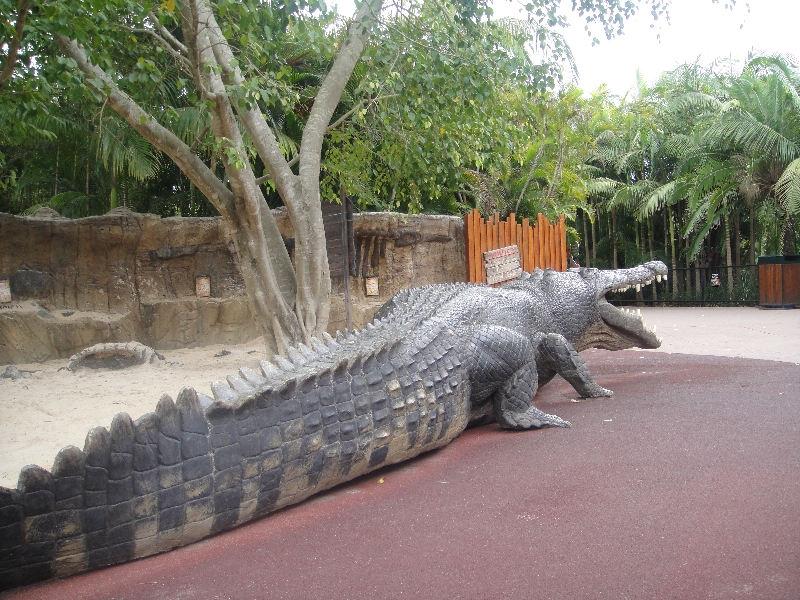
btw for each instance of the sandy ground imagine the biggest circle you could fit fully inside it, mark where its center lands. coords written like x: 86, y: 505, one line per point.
x: 51, y: 407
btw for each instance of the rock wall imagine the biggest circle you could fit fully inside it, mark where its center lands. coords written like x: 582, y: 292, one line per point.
x: 126, y: 276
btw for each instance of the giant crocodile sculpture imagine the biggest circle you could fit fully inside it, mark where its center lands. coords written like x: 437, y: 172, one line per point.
x: 434, y: 359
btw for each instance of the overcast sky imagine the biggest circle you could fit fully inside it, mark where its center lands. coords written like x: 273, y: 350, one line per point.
x: 697, y: 28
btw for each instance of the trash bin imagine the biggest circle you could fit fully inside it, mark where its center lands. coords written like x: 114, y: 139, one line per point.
x: 779, y: 281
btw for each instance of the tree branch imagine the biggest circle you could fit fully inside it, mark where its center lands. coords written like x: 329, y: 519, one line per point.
x: 13, y: 46
x: 160, y: 137
x: 334, y: 125
x: 166, y: 34
x: 166, y: 45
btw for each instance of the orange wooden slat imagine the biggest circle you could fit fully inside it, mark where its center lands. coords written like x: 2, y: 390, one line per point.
x: 471, y: 248
x: 476, y: 240
x: 542, y: 241
x: 468, y: 245
x: 529, y: 235
x: 525, y: 245
x: 559, y: 249
x: 486, y: 244
x: 480, y: 249
x: 563, y: 241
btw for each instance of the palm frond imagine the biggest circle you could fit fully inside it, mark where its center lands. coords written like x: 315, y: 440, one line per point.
x: 657, y: 199
x: 602, y: 187
x: 787, y: 188
x: 740, y: 128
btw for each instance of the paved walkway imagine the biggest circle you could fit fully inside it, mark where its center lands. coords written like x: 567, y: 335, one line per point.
x: 747, y: 332
x: 684, y: 485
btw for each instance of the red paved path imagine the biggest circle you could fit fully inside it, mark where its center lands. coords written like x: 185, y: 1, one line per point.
x: 686, y: 484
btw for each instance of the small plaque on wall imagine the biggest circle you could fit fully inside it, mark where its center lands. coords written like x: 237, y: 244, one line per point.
x: 371, y: 283
x: 5, y: 291
x: 202, y: 286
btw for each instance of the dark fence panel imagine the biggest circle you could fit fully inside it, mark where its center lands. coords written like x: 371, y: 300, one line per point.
x: 697, y: 286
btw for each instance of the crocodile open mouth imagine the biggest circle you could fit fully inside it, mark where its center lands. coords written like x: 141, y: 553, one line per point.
x: 620, y: 328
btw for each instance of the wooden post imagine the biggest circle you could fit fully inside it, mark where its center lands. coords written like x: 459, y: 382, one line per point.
x: 526, y: 263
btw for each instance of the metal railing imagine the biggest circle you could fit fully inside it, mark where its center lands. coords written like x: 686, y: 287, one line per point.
x: 697, y: 286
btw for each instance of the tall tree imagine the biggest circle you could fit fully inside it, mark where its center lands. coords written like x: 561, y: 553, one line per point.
x: 153, y: 63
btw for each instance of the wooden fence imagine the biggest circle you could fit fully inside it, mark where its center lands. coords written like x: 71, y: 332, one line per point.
x: 540, y: 244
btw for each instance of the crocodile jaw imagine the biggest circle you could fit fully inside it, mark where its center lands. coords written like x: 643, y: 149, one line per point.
x: 618, y: 329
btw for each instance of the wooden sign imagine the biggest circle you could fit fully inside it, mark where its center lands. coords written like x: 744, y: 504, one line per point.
x: 5, y: 291
x: 502, y: 264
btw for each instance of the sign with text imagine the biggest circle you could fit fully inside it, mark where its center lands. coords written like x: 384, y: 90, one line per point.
x: 502, y: 264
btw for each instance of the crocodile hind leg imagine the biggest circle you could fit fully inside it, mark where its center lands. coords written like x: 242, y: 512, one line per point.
x: 512, y: 403
x: 503, y: 368
x: 557, y: 354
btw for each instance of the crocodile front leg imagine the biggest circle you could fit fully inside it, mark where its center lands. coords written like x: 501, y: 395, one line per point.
x: 504, y: 368
x: 558, y: 355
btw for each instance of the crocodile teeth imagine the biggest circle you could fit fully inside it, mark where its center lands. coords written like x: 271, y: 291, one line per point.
x: 306, y: 351
x: 252, y: 376
x: 295, y: 356
x: 658, y: 278
x: 205, y: 401
x: 222, y: 393
x: 638, y: 287
x: 665, y: 276
x: 239, y: 384
x: 283, y: 363
x: 270, y: 371
x: 339, y: 336
x: 332, y: 343
x: 319, y: 346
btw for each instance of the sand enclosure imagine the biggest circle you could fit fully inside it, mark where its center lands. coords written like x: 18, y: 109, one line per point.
x: 52, y: 407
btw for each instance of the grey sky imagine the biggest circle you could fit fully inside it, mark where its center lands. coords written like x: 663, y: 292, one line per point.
x: 697, y: 29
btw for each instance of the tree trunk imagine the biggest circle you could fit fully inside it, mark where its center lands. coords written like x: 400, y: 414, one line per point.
x: 652, y: 253
x: 594, y: 243
x: 614, y: 237
x: 728, y: 253
x: 752, y: 249
x: 113, y: 201
x: 292, y: 303
x: 587, y: 262
x: 673, y: 258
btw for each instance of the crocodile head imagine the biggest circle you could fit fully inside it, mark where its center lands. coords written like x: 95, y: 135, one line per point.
x: 615, y: 328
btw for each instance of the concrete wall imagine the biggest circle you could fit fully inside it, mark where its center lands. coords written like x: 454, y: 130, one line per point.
x: 125, y: 276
